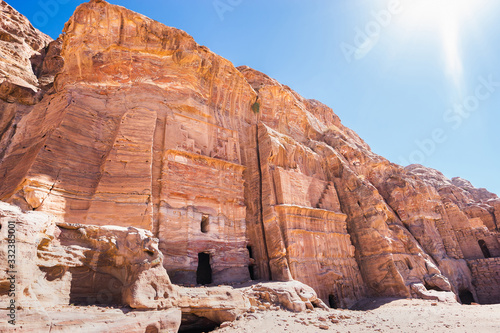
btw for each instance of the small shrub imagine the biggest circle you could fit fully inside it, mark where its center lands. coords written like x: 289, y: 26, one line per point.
x: 256, y: 107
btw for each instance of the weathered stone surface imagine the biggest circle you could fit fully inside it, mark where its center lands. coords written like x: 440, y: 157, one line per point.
x: 418, y: 290
x: 93, y: 319
x: 472, y: 215
x: 141, y: 142
x: 27, y: 233
x: 486, y: 274
x: 217, y: 304
x: 135, y: 126
x: 305, y: 229
x: 389, y: 257
x: 82, y: 264
x: 19, y: 41
x: 475, y: 203
x: 292, y: 295
x: 58, y: 265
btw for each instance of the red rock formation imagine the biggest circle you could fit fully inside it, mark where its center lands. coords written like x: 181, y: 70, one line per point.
x: 80, y: 264
x: 307, y: 149
x: 60, y: 264
x: 19, y: 42
x: 140, y: 133
x: 134, y: 124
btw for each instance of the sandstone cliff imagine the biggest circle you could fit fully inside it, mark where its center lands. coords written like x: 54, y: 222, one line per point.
x: 19, y: 41
x: 131, y: 123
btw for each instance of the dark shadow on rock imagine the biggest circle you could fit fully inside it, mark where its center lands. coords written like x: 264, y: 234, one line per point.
x: 373, y: 303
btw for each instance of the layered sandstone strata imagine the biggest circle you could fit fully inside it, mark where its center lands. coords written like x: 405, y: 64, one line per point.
x: 473, y: 217
x: 19, y: 42
x: 143, y: 134
x: 136, y: 125
x: 59, y: 264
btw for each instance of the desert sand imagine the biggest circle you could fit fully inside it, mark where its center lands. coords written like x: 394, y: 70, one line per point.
x: 381, y: 315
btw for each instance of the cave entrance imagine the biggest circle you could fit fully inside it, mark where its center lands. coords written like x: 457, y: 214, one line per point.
x: 332, y: 301
x: 466, y: 297
x: 484, y: 248
x: 191, y: 323
x: 87, y: 286
x: 251, y: 266
x: 204, y: 271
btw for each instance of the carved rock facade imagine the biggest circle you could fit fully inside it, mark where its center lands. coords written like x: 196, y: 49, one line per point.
x: 136, y: 125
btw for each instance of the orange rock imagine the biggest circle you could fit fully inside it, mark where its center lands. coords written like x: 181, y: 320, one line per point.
x: 19, y: 43
x: 126, y: 122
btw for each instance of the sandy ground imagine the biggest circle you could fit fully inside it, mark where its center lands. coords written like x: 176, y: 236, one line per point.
x: 381, y: 315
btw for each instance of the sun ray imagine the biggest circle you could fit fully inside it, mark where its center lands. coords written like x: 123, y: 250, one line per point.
x: 443, y: 18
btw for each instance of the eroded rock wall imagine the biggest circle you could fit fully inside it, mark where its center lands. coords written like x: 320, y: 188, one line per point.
x: 59, y: 264
x: 131, y: 123
x: 486, y: 275
x: 19, y: 43
x: 309, y: 159
x: 142, y: 130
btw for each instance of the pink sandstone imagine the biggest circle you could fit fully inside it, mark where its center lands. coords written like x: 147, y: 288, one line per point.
x: 130, y: 136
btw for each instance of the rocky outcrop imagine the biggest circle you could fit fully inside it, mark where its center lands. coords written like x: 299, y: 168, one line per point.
x: 292, y: 295
x: 157, y: 139
x: 19, y: 43
x: 94, y: 319
x: 55, y: 265
x: 389, y: 257
x: 472, y: 217
x: 138, y: 133
x: 81, y: 264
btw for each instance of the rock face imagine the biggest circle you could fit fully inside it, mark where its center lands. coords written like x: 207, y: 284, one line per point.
x: 137, y: 132
x: 19, y: 43
x: 60, y: 264
x: 473, y: 219
x: 94, y: 319
x: 293, y: 296
x: 81, y: 264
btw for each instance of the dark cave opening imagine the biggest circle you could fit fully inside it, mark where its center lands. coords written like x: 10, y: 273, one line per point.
x: 204, y: 270
x: 251, y: 266
x: 251, y: 272
x: 484, y: 248
x: 466, y: 297
x: 191, y: 323
x: 89, y: 287
x: 250, y: 253
x: 332, y: 301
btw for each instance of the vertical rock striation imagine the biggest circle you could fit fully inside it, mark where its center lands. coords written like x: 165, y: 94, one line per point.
x: 124, y: 121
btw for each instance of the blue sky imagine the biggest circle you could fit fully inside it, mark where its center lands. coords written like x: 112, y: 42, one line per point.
x: 416, y: 79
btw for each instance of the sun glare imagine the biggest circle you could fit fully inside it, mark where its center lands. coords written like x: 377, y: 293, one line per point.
x: 445, y: 19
